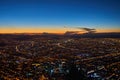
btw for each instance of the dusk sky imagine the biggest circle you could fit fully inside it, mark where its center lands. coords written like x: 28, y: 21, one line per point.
x: 52, y: 15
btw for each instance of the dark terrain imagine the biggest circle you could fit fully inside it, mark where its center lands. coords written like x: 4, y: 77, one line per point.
x: 93, y: 56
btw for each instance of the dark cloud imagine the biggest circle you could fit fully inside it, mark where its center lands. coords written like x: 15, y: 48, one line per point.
x: 88, y: 30
x: 81, y: 29
x: 71, y: 32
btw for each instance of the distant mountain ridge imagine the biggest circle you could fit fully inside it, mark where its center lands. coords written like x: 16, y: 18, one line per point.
x: 97, y: 35
x: 74, y: 35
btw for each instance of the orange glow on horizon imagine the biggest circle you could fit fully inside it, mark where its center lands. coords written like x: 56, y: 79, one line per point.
x: 50, y: 30
x: 31, y: 30
x: 103, y: 30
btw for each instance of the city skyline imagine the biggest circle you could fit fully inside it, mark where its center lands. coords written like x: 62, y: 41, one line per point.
x: 38, y: 16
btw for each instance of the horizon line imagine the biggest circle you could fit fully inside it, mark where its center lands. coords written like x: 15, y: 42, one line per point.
x: 49, y: 33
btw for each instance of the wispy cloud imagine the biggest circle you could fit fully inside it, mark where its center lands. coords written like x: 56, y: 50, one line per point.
x: 72, y: 32
x: 88, y: 30
x: 81, y: 29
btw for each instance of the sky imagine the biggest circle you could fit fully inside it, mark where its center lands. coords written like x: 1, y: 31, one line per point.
x: 36, y: 16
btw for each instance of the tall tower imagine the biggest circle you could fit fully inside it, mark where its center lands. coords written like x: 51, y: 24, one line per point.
x: 17, y: 50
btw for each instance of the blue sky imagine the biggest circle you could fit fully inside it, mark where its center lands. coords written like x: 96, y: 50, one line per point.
x: 59, y: 13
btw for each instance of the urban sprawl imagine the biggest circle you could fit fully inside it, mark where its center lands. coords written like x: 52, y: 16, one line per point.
x: 59, y: 58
